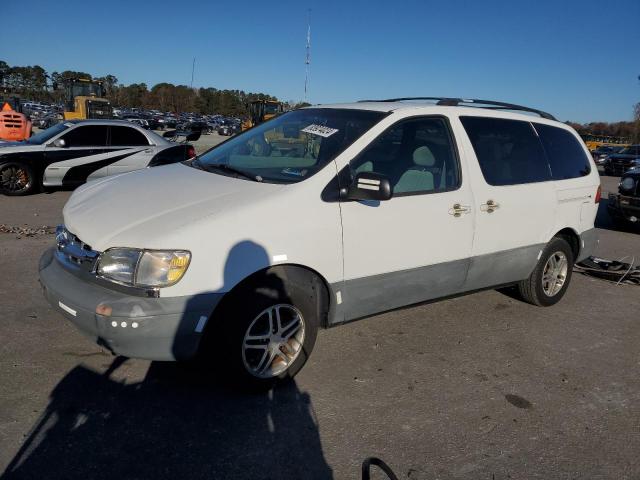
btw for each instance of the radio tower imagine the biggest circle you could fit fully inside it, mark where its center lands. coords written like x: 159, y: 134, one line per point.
x: 307, y: 60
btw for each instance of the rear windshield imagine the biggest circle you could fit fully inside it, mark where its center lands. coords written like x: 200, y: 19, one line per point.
x: 292, y: 146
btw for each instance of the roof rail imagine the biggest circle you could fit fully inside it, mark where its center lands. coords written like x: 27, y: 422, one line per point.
x: 454, y: 102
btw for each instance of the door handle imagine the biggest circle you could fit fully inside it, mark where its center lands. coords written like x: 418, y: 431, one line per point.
x: 490, y: 206
x: 458, y: 210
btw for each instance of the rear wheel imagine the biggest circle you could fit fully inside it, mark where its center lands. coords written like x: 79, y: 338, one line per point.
x: 550, y: 279
x: 17, y: 178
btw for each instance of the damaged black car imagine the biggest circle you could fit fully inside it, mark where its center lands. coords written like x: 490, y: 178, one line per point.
x: 624, y: 206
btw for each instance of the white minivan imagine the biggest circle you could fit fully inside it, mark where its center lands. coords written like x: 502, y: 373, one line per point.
x: 318, y: 217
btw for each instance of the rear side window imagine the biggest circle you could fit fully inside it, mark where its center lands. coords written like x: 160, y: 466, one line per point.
x: 508, y: 151
x: 127, y: 136
x: 566, y: 156
x: 87, y: 136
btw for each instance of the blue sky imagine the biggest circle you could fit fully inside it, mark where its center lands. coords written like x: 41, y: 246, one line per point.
x: 579, y: 60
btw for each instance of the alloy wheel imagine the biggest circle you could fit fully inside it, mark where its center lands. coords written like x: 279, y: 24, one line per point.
x: 273, y: 341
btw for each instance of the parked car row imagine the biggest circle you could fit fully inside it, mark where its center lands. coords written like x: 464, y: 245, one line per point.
x: 44, y: 115
x: 186, y: 121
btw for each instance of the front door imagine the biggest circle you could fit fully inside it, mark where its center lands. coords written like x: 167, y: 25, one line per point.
x: 415, y: 246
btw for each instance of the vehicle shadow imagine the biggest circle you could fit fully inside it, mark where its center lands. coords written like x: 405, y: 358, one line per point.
x: 179, y: 422
x: 174, y: 424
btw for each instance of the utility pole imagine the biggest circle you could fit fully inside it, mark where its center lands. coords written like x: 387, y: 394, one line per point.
x: 307, y: 61
x: 193, y: 67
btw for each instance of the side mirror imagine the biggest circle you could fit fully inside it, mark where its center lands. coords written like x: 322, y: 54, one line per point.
x: 60, y: 143
x: 368, y: 186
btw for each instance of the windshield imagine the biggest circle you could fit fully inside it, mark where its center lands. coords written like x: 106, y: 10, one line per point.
x: 293, y: 146
x: 45, y: 135
x: 271, y: 108
x: 86, y: 89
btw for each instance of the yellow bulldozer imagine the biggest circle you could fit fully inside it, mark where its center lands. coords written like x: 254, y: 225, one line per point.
x: 261, y: 111
x: 85, y: 99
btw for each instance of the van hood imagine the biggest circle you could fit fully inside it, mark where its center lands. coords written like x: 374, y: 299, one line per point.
x: 142, y: 209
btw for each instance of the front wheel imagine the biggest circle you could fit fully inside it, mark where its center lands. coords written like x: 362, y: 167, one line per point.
x: 550, y: 279
x: 265, y: 333
x: 17, y: 178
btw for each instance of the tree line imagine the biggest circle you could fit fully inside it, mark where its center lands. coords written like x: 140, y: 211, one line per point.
x: 624, y: 130
x: 34, y: 83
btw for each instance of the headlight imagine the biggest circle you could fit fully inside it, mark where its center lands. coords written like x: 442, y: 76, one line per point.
x: 119, y: 264
x: 143, y: 268
x: 627, y: 183
x: 161, y: 269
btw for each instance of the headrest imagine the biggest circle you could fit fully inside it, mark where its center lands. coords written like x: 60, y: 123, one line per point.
x: 422, y: 156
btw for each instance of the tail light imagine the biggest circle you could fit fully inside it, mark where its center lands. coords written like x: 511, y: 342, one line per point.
x: 191, y: 152
x: 598, y: 194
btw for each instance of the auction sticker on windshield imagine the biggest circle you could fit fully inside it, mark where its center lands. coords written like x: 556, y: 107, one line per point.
x: 319, y: 130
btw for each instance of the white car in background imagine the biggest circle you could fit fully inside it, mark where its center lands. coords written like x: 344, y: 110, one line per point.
x: 318, y: 217
x: 73, y: 152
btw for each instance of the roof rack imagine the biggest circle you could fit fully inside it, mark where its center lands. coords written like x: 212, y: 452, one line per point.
x: 454, y: 102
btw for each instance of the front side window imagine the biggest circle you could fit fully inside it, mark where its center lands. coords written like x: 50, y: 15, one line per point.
x: 508, y: 151
x: 127, y: 136
x: 291, y: 147
x: 87, y: 136
x: 416, y: 155
x: 565, y: 154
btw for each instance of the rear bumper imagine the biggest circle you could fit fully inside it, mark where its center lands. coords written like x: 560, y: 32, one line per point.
x: 588, y: 243
x: 152, y: 328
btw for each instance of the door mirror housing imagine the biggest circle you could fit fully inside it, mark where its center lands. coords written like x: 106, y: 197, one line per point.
x: 368, y: 186
x: 60, y: 143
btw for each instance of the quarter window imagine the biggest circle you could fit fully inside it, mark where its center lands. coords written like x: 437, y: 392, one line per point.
x: 87, y: 136
x: 127, y: 136
x: 567, y: 158
x: 416, y: 155
x: 508, y: 151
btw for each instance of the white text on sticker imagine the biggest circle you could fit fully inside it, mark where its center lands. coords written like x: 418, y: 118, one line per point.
x: 320, y: 130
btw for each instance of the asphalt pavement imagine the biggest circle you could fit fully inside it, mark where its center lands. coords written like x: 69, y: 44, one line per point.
x: 478, y: 387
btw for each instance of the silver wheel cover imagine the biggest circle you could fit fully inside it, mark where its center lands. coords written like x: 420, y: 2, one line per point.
x: 273, y: 341
x: 554, y: 274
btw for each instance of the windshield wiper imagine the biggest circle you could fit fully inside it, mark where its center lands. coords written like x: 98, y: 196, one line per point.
x: 229, y: 168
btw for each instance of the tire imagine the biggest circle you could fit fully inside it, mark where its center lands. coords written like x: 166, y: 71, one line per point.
x: 17, y: 178
x: 543, y: 288
x: 246, y: 313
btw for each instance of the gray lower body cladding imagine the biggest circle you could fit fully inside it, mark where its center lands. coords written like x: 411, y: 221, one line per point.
x: 370, y: 295
x: 150, y: 328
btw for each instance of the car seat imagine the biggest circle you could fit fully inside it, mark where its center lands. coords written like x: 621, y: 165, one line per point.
x: 419, y: 177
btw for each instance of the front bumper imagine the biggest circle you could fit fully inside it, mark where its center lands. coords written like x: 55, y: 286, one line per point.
x: 152, y: 328
x: 624, y: 207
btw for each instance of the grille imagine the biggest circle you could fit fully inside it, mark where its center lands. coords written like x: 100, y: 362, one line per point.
x: 10, y: 120
x: 73, y: 251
